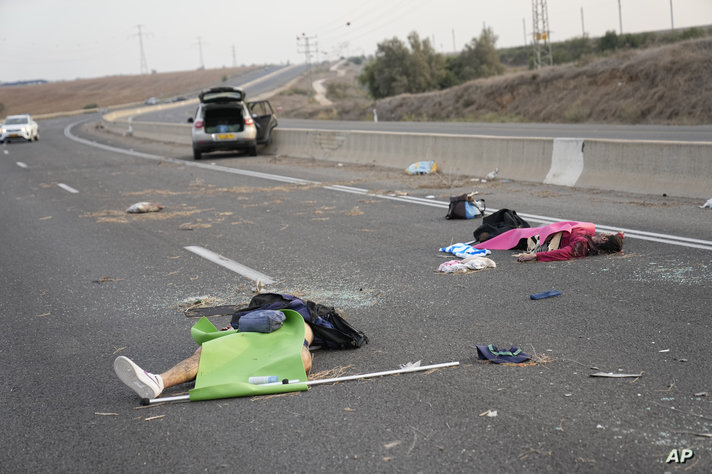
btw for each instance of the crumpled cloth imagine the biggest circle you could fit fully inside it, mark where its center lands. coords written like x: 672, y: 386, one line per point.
x: 141, y: 207
x: 462, y: 250
x: 466, y: 265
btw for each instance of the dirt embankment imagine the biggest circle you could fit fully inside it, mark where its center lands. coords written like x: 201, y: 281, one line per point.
x: 665, y: 85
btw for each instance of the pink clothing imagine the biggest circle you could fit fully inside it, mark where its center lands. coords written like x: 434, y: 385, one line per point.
x: 511, y: 238
x: 573, y: 244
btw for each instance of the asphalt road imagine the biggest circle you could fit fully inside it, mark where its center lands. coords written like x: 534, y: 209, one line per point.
x: 83, y: 282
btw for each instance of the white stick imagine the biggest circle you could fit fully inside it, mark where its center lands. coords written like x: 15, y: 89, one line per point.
x: 332, y: 380
x: 379, y: 374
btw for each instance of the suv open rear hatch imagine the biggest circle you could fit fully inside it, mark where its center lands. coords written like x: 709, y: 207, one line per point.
x: 222, y: 94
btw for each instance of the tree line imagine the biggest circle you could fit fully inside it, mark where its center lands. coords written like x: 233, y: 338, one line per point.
x: 400, y: 68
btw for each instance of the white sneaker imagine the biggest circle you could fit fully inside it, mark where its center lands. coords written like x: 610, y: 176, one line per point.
x: 145, y: 384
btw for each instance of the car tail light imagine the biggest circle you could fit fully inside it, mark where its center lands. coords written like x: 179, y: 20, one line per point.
x: 198, y: 124
x: 249, y: 121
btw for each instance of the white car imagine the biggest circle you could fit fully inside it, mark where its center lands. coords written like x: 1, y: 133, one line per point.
x: 224, y: 121
x: 19, y: 127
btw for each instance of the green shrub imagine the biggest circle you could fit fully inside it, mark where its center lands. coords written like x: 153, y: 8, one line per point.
x: 91, y: 106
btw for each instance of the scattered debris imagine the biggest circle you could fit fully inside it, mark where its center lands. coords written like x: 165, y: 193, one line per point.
x: 422, y: 167
x: 545, y: 294
x: 106, y: 414
x: 463, y: 250
x: 489, y: 413
x: 664, y: 350
x: 701, y: 435
x: 492, y: 174
x: 707, y: 204
x: 702, y: 394
x: 151, y: 418
x: 466, y: 265
x: 410, y: 365
x: 106, y: 279
x: 465, y: 206
x: 513, y: 356
x: 616, y: 375
x: 141, y: 207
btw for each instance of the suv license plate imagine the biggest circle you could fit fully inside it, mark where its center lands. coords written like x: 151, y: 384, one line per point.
x: 226, y: 136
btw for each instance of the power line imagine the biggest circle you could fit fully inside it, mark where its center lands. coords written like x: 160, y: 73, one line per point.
x: 541, y: 44
x: 144, y: 64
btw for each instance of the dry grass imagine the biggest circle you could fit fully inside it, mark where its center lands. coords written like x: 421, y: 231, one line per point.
x: 108, y: 91
x: 665, y: 85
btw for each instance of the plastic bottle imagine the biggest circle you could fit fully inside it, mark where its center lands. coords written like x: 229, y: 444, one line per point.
x: 263, y: 380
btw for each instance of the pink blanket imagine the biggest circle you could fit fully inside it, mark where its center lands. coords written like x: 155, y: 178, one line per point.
x: 511, y: 238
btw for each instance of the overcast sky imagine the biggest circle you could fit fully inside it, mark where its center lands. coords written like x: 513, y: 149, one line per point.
x: 69, y: 39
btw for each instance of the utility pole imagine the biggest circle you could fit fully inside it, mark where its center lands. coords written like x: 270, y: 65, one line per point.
x: 524, y: 27
x: 200, y: 50
x: 542, y: 47
x: 144, y: 65
x: 306, y: 45
x: 620, y: 18
x: 672, y: 23
x: 234, y: 58
x: 454, y: 45
x: 583, y: 30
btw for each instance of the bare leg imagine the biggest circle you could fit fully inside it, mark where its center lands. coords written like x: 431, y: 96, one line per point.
x: 306, y: 355
x: 183, y: 371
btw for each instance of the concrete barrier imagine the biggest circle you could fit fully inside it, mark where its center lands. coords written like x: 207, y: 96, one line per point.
x: 648, y: 167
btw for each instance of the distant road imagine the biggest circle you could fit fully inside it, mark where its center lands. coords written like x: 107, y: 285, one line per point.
x: 540, y: 130
x: 259, y: 82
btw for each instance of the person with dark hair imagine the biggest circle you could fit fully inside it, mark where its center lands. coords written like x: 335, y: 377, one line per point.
x: 578, y: 242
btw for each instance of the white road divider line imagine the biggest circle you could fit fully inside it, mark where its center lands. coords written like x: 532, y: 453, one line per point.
x: 231, y: 265
x: 629, y: 233
x: 21, y: 164
x: 67, y: 188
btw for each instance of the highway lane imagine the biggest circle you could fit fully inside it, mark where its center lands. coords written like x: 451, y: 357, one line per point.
x: 84, y: 282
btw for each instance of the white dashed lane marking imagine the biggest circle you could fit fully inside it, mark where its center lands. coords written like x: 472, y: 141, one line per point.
x: 67, y: 188
x: 230, y: 264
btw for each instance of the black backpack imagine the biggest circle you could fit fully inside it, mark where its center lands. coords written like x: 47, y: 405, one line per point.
x: 498, y: 223
x: 330, y: 329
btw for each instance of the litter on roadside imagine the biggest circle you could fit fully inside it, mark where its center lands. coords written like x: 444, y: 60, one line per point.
x: 465, y: 206
x: 422, y: 167
x: 513, y: 355
x: 141, y: 207
x: 545, y: 294
x: 466, y: 264
x: 708, y: 204
x: 462, y: 250
x: 615, y: 375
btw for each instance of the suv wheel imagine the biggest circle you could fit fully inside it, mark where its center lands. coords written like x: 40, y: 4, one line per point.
x: 196, y: 154
x: 253, y: 150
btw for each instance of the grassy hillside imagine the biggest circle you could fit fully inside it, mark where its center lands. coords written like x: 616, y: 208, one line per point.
x: 108, y: 91
x: 662, y: 85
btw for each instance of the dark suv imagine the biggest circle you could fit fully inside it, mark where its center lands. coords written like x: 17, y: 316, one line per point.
x: 224, y: 121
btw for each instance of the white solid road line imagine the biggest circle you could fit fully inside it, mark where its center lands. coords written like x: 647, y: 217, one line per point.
x: 248, y: 272
x: 67, y: 188
x: 629, y: 233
